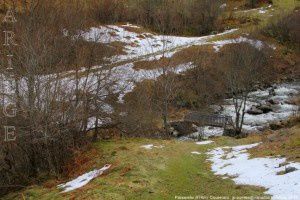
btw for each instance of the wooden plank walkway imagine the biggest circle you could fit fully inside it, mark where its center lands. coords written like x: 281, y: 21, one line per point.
x: 209, y: 120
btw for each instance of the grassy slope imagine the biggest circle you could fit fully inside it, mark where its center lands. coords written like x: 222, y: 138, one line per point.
x: 138, y: 173
x: 150, y: 174
x: 285, y: 142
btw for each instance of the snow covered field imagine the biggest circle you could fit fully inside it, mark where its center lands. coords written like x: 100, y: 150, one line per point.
x: 156, y: 46
x: 234, y: 163
x: 141, y: 44
x: 124, y: 77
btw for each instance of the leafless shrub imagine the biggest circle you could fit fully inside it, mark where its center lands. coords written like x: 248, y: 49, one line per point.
x: 190, y: 17
x: 202, y: 85
x: 53, y: 109
x: 286, y: 29
x: 244, y: 67
x: 256, y: 3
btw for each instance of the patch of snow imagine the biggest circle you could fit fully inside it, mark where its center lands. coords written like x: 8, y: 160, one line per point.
x: 250, y: 10
x: 83, y: 179
x: 212, y: 131
x: 151, y: 146
x: 223, y: 6
x: 262, y: 11
x: 203, y: 132
x: 261, y: 172
x: 219, y: 44
x: 102, y: 121
x: 168, y: 54
x: 147, y: 146
x: 196, y: 153
x: 131, y: 26
x: 204, y: 142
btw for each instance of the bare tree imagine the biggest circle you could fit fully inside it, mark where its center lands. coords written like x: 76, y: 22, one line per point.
x: 244, y: 67
x: 53, y: 106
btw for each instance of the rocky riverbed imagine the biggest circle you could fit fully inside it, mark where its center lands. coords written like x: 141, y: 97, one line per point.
x: 268, y: 106
x: 265, y: 108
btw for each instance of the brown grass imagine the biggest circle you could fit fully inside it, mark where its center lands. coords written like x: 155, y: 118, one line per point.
x: 285, y: 142
x: 82, y: 162
x: 140, y: 30
x: 181, y: 57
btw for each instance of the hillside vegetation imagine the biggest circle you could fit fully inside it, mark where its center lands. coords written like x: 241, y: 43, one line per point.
x: 94, y: 81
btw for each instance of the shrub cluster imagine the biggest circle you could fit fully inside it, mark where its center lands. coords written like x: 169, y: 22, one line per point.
x: 286, y: 30
x: 188, y: 17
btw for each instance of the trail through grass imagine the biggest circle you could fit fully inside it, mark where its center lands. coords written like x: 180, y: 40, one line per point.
x: 160, y: 173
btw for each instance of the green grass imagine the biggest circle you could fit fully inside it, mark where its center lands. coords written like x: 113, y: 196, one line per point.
x: 286, y: 4
x: 259, y: 20
x: 285, y: 142
x: 279, y: 9
x: 150, y: 174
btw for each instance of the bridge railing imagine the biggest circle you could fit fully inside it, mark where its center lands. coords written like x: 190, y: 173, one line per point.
x: 209, y: 120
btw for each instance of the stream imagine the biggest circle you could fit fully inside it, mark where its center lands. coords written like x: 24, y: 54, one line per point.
x: 277, y: 103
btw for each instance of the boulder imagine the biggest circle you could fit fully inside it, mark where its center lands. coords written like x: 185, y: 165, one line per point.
x: 290, y: 102
x: 272, y: 92
x: 265, y: 108
x: 254, y: 111
x: 229, y: 132
x: 276, y: 126
x: 181, y: 128
x: 287, y: 170
x: 273, y: 102
x: 283, y: 164
x: 261, y: 128
x: 174, y: 132
x: 272, y: 137
x: 290, y: 169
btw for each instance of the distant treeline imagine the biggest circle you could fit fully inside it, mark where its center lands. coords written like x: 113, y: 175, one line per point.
x: 180, y: 17
x: 188, y: 17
